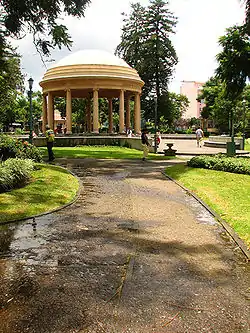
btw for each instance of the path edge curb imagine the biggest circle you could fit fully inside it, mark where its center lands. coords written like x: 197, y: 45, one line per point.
x: 52, y: 210
x: 224, y: 224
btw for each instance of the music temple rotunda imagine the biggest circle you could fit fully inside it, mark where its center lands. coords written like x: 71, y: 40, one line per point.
x: 93, y: 74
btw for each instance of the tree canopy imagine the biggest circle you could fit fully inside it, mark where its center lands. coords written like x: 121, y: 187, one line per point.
x: 41, y: 18
x: 146, y: 45
x: 219, y: 106
x: 234, y: 60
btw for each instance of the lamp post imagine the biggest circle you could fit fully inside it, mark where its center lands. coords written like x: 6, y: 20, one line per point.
x: 244, y: 123
x: 30, y: 114
x: 155, y: 100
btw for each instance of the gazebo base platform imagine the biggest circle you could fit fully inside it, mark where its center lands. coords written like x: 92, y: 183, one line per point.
x: 92, y: 140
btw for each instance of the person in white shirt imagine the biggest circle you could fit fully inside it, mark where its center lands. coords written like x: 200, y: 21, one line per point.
x: 199, y: 135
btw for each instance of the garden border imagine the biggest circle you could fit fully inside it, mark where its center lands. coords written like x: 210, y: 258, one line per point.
x: 53, y: 210
x: 224, y: 224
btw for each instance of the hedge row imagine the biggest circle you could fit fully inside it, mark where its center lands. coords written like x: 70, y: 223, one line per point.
x: 222, y: 163
x: 15, y: 173
x: 12, y: 147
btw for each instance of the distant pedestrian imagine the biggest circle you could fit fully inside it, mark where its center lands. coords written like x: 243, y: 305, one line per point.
x: 145, y: 143
x: 50, y: 138
x: 158, y: 139
x: 129, y: 132
x: 199, y: 135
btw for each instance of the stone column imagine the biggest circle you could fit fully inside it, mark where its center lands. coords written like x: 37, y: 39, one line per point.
x: 137, y: 114
x: 88, y: 114
x: 95, y: 111
x: 127, y: 112
x: 45, y: 115
x: 121, y: 112
x: 68, y: 112
x: 53, y: 112
x: 110, y: 115
x: 50, y: 111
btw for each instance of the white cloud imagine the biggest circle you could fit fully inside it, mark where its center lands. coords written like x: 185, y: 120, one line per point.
x: 200, y: 23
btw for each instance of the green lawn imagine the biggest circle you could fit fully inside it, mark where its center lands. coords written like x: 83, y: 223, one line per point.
x: 247, y: 144
x: 50, y: 188
x: 226, y: 193
x: 101, y: 152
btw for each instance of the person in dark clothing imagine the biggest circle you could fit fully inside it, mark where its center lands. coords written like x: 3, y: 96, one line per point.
x: 50, y: 138
x: 145, y: 143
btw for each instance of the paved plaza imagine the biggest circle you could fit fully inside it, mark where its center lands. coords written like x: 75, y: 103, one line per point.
x: 189, y: 147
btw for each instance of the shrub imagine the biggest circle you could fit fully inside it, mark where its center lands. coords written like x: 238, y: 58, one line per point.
x: 221, y: 163
x: 189, y: 131
x: 14, y: 173
x: 12, y: 147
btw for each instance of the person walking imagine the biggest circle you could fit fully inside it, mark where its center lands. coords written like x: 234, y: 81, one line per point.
x: 199, y: 135
x: 145, y: 143
x: 50, y: 138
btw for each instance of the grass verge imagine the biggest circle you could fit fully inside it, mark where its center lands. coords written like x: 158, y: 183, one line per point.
x: 247, y: 145
x: 102, y: 152
x: 226, y: 193
x: 51, y: 187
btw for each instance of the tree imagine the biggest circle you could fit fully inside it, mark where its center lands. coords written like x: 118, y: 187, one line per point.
x: 234, y: 60
x: 146, y: 45
x: 172, y: 106
x: 41, y: 19
x: 234, y: 66
x: 11, y: 83
x: 247, y: 25
x: 219, y: 105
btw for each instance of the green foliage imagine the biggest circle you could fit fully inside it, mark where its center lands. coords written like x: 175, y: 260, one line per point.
x: 146, y: 46
x: 222, y: 163
x: 163, y: 125
x: 11, y: 147
x: 41, y: 19
x: 15, y: 173
x: 189, y: 131
x: 233, y: 60
x: 226, y: 193
x: 51, y: 188
x: 219, y: 106
x: 11, y: 83
x: 20, y: 110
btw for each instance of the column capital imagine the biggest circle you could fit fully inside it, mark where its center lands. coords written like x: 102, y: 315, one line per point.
x: 95, y: 89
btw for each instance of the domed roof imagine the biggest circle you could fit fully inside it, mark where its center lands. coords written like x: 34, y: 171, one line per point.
x: 91, y: 57
x: 88, y: 69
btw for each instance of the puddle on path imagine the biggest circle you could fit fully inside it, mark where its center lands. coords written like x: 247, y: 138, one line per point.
x: 29, y: 234
x: 202, y: 215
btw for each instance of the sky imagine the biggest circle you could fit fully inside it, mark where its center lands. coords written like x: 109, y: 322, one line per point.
x: 200, y: 24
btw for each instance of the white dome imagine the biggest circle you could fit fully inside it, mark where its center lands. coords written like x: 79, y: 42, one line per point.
x: 91, y: 57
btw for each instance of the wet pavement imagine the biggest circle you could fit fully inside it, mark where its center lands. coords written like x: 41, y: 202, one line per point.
x: 134, y: 253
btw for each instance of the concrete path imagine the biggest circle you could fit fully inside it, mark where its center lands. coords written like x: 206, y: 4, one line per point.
x: 134, y: 253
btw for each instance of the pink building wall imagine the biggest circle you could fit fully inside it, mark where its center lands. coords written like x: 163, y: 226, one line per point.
x: 191, y: 90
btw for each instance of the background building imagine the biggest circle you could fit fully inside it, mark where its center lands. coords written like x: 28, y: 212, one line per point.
x: 191, y: 90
